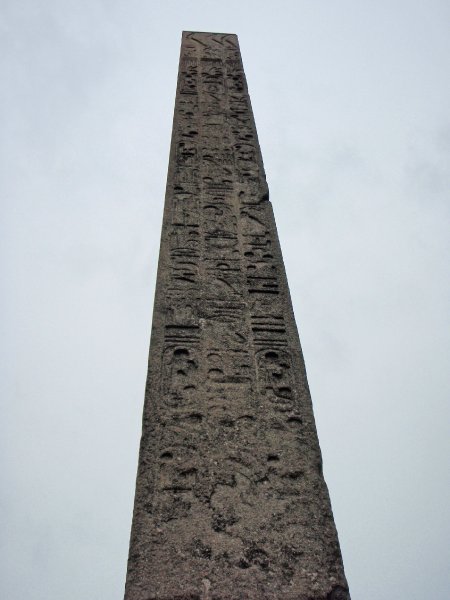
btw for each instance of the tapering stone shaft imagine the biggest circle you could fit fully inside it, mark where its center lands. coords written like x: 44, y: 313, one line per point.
x: 230, y: 498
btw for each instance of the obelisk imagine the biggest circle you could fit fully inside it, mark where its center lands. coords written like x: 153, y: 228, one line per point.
x: 230, y: 498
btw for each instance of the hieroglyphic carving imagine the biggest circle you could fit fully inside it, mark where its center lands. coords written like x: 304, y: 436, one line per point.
x: 230, y: 499
x: 188, y: 75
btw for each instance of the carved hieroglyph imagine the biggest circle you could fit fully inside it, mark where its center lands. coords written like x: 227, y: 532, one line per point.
x: 230, y: 498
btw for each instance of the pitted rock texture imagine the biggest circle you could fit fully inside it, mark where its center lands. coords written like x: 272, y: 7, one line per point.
x: 230, y: 498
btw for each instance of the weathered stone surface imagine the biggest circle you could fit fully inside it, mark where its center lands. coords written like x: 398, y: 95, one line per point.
x: 230, y: 498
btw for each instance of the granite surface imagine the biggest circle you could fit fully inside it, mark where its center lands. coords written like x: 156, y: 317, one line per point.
x: 230, y: 498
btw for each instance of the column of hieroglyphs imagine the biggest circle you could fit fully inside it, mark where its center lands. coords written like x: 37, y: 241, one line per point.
x: 230, y: 497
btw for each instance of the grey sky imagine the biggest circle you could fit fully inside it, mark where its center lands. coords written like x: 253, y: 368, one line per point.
x: 351, y: 101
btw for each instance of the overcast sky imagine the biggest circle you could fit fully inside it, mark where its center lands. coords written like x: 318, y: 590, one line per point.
x: 351, y: 101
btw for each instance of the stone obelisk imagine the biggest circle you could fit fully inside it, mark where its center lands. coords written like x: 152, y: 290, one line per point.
x: 230, y: 498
